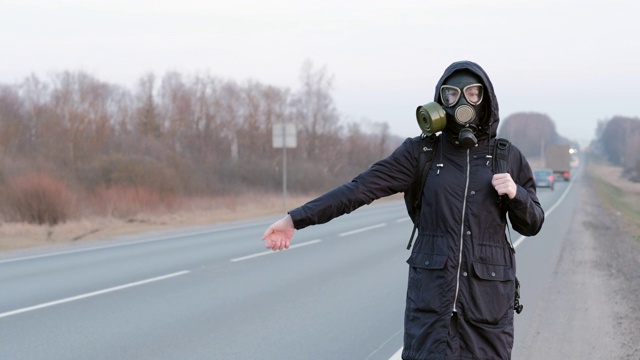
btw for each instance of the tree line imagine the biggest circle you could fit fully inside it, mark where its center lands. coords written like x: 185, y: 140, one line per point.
x: 619, y: 141
x: 74, y: 144
x: 178, y: 136
x: 531, y: 132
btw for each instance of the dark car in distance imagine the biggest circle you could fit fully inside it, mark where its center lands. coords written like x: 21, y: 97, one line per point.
x: 544, y: 178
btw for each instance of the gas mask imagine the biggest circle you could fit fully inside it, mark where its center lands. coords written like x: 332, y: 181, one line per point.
x: 461, y: 110
x: 461, y: 95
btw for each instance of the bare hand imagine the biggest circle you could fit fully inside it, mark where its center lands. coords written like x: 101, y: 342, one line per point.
x: 504, y: 185
x: 278, y: 235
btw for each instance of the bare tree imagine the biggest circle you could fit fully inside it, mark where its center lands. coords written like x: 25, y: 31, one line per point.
x: 177, y: 106
x: 148, y: 122
x: 231, y: 107
x: 14, y: 131
x: 35, y: 96
x: 80, y: 103
x: 315, y: 111
x: 265, y: 105
x: 632, y: 163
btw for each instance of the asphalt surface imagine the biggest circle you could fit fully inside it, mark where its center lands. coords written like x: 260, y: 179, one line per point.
x: 338, y: 293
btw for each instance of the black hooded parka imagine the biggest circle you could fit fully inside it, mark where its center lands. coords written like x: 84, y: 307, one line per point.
x: 460, y: 293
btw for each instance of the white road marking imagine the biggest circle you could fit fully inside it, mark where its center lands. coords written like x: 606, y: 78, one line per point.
x: 95, y: 293
x: 269, y: 252
x: 385, y: 343
x: 397, y: 355
x: 362, y: 229
x: 127, y: 243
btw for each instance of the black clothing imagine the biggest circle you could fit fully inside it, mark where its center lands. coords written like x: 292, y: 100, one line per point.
x: 462, y: 269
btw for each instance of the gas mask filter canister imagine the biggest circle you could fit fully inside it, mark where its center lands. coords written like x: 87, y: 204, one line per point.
x: 431, y: 118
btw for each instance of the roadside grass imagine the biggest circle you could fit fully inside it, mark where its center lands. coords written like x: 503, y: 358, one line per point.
x: 192, y: 212
x: 618, y: 195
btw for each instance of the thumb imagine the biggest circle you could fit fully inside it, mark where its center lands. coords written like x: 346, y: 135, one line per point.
x: 267, y: 233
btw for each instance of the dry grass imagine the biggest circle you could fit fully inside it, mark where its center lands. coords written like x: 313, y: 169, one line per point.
x: 613, y: 175
x: 617, y: 194
x: 194, y: 212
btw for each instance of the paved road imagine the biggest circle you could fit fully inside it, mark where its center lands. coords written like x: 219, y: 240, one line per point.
x: 216, y: 293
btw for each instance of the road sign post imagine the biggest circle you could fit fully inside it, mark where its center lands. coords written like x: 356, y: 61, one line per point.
x: 284, y: 136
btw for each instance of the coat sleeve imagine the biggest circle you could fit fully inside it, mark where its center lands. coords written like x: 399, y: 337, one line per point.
x: 386, y: 177
x: 525, y: 212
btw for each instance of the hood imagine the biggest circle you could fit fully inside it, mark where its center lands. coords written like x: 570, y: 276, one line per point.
x: 491, y: 120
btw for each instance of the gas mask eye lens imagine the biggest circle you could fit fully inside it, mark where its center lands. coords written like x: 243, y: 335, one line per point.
x: 473, y: 93
x: 449, y: 94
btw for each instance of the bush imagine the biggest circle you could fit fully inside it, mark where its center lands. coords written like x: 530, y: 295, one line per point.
x: 39, y: 199
x: 126, y: 201
x: 241, y: 175
x: 131, y: 171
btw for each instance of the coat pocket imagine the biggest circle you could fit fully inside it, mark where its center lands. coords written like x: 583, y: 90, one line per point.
x: 427, y: 261
x: 491, y: 292
x: 427, y: 278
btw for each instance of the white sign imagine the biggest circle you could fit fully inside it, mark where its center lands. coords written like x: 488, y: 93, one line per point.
x: 284, y: 136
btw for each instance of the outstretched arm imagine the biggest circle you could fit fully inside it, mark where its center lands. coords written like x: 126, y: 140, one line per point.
x: 388, y: 176
x: 278, y: 235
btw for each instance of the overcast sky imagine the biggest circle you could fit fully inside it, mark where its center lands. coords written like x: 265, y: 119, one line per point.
x: 576, y: 61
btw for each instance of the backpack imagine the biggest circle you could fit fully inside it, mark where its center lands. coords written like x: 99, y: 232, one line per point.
x: 413, y: 197
x: 428, y: 147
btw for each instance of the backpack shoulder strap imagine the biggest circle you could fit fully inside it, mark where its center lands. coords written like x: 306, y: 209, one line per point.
x: 500, y: 165
x: 501, y: 155
x: 413, y: 198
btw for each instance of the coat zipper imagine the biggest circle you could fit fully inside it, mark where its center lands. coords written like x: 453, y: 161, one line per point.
x: 464, y: 207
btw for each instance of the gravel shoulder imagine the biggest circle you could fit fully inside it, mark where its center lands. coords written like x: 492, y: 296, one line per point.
x: 591, y: 309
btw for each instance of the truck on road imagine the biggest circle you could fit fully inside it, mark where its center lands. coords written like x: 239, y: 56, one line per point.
x: 558, y: 158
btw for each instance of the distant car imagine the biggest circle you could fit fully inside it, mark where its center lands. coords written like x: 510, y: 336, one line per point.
x: 544, y: 178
